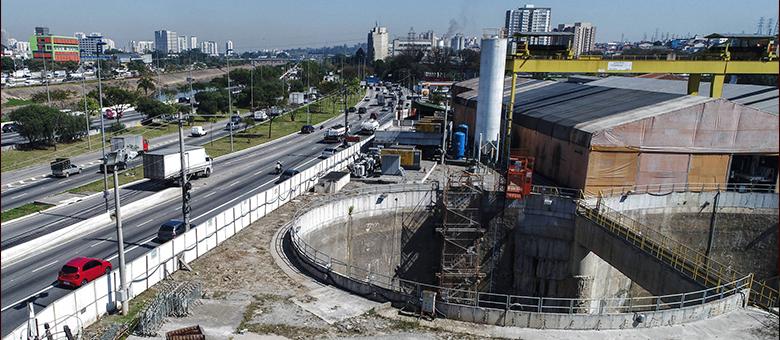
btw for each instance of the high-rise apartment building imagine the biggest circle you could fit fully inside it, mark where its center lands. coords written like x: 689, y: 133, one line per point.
x: 193, y: 42
x: 229, y: 47
x: 378, y: 43
x: 583, y: 40
x: 166, y: 42
x: 183, y: 43
x: 210, y: 48
x: 90, y: 45
x: 458, y: 42
x: 529, y: 19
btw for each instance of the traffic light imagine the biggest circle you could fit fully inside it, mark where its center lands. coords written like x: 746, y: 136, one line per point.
x: 186, y: 197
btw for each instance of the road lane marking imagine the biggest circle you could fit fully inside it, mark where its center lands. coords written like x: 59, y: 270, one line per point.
x: 132, y: 248
x: 233, y: 200
x: 232, y: 184
x: 27, y: 298
x: 147, y: 221
x: 209, y: 194
x: 96, y: 243
x: 20, y: 195
x: 44, y: 266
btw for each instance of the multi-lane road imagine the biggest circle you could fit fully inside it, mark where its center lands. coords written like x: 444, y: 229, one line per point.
x: 34, y: 183
x: 236, y: 177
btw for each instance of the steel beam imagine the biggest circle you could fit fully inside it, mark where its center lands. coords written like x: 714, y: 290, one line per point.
x: 517, y: 65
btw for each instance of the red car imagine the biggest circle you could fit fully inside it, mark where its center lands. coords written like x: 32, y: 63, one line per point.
x: 78, y: 271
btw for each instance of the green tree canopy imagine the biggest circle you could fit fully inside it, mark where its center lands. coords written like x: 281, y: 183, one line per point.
x: 43, y: 125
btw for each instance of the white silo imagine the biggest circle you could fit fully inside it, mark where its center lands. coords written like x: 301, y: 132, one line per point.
x: 492, y: 61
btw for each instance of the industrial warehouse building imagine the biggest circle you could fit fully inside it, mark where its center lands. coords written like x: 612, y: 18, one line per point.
x: 596, y: 137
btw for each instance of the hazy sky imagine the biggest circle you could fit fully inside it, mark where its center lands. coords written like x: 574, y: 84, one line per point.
x: 295, y: 23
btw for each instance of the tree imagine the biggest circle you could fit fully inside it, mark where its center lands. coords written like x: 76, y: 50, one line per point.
x: 8, y: 64
x: 153, y: 108
x: 249, y: 122
x: 117, y: 97
x: 58, y: 97
x: 43, y: 125
x: 147, y: 84
x: 211, y: 102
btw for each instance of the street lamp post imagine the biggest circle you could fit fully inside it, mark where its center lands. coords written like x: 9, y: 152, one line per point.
x: 46, y: 80
x: 230, y: 101
x: 102, y: 126
x: 86, y: 112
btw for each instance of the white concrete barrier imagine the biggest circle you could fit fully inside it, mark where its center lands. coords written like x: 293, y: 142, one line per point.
x: 86, y: 304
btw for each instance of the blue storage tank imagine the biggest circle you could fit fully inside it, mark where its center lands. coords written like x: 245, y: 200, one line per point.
x: 459, y: 142
x: 463, y: 128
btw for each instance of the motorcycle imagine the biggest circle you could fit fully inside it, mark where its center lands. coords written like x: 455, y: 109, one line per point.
x: 278, y: 170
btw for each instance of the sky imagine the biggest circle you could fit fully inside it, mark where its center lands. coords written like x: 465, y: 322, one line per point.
x: 263, y: 24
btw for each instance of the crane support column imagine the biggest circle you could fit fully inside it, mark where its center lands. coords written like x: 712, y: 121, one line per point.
x: 509, y: 112
x: 716, y: 88
x: 694, y: 79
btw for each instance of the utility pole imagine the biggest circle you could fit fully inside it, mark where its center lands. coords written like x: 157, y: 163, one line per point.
x: 252, y: 87
x: 444, y: 131
x: 102, y: 128
x: 346, y: 116
x: 230, y: 101
x: 308, y: 113
x: 123, y: 294
x: 86, y: 113
x: 46, y: 81
x: 185, y: 195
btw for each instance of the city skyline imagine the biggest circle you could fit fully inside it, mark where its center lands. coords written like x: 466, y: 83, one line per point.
x: 339, y: 22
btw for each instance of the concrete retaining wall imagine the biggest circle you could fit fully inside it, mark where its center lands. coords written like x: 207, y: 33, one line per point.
x: 380, y: 287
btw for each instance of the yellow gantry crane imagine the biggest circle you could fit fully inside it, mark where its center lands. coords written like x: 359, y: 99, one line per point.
x: 737, y: 54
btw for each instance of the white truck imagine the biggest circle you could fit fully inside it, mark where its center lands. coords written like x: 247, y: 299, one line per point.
x: 335, y: 133
x: 369, y: 127
x: 165, y: 164
x: 131, y: 146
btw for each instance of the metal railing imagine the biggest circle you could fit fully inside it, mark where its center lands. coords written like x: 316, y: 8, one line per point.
x: 412, y: 290
x: 690, y: 262
x: 686, y: 187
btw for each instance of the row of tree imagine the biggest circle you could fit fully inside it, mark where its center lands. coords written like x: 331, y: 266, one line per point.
x: 45, y: 126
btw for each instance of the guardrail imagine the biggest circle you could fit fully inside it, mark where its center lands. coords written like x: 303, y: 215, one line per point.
x: 86, y: 304
x: 402, y: 290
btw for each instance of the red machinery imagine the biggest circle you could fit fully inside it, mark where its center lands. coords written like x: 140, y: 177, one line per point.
x: 518, y: 176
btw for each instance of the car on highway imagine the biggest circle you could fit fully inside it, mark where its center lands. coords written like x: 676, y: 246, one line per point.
x: 362, y: 110
x: 198, y: 131
x: 170, y: 230
x: 10, y: 127
x: 307, y: 129
x: 287, y: 174
x: 352, y: 109
x: 259, y: 116
x: 232, y: 126
x: 80, y: 270
x: 329, y: 151
x: 366, y: 99
x: 111, y: 114
x: 236, y: 118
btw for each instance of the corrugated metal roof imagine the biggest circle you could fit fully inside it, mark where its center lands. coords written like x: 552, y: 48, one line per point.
x: 764, y: 98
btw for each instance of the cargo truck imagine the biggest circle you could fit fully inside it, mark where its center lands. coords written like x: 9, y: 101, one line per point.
x: 335, y: 133
x: 165, y: 164
x: 131, y: 145
x: 369, y: 127
x: 62, y: 167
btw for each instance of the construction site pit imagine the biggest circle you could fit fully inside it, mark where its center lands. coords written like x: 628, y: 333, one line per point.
x: 455, y: 248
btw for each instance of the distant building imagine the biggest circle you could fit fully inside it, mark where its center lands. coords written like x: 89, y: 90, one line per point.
x: 458, y: 42
x: 166, y: 42
x: 193, y: 42
x: 110, y: 44
x: 90, y: 46
x: 182, y: 43
x: 583, y: 40
x: 378, y: 43
x: 141, y: 46
x: 529, y: 19
x: 53, y: 47
x: 41, y: 31
x: 229, y: 47
x: 424, y: 42
x: 210, y: 48
x: 79, y: 35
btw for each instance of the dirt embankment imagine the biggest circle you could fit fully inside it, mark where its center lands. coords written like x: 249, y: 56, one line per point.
x: 167, y: 80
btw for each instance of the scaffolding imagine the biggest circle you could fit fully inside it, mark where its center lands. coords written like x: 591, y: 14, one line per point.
x: 461, y: 231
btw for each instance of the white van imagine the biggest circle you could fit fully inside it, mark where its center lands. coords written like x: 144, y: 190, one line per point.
x: 259, y: 116
x: 197, y: 131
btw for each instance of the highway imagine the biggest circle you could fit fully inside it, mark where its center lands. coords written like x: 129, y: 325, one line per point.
x: 236, y: 177
x: 39, y: 183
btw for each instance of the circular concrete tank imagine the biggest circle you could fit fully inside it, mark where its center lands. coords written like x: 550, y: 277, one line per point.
x: 382, y: 243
